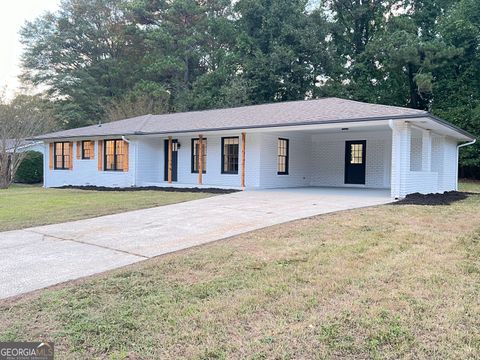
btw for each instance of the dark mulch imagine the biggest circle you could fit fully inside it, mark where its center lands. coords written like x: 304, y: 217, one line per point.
x: 446, y: 198
x: 152, y: 188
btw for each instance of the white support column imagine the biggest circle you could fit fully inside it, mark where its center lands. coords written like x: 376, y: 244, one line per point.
x: 426, y: 150
x: 401, y: 137
x: 46, y: 157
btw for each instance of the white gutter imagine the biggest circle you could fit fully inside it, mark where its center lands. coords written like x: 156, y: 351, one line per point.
x: 135, y: 161
x: 458, y: 158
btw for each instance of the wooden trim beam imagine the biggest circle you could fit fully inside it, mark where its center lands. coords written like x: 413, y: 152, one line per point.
x: 170, y: 156
x: 200, y: 159
x: 242, y: 180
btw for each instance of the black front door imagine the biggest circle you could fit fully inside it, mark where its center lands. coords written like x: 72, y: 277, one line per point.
x: 174, y: 159
x: 355, y: 161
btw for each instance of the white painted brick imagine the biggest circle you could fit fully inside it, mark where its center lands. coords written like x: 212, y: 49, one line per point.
x: 394, y: 159
x: 85, y: 172
x: 328, y: 159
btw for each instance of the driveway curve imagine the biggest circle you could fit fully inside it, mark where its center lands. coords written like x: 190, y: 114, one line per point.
x: 42, y: 256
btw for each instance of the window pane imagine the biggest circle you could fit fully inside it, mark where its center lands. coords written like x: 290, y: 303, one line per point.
x: 58, y: 162
x: 62, y: 155
x: 114, y: 154
x: 196, y: 152
x: 66, y: 162
x: 230, y: 154
x: 119, y: 154
x: 110, y: 162
x: 110, y: 154
x: 282, y: 156
x: 356, y: 153
x: 59, y: 155
x: 87, y: 150
x: 66, y: 155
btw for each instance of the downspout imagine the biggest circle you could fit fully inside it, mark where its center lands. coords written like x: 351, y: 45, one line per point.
x: 458, y: 158
x: 135, y: 162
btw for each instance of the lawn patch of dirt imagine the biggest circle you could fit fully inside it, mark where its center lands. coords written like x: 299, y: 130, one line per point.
x: 446, y: 198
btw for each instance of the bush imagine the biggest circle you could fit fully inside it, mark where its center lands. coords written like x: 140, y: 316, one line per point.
x: 30, y: 170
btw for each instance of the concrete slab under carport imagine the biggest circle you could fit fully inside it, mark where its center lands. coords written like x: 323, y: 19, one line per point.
x: 47, y: 255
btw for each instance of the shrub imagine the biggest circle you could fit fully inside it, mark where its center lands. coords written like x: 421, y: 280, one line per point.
x: 30, y: 170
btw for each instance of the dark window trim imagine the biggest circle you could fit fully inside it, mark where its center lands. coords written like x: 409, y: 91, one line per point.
x: 114, y: 155
x: 287, y: 157
x: 204, y: 171
x: 223, y: 154
x: 55, y: 167
x: 83, y: 150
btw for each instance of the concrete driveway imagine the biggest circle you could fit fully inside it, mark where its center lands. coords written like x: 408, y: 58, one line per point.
x: 37, y: 257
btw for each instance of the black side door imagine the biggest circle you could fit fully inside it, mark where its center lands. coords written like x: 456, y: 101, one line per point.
x: 355, y: 161
x: 174, y: 159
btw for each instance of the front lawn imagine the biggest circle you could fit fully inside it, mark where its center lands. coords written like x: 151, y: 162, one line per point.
x: 392, y: 281
x: 23, y: 206
x: 469, y: 185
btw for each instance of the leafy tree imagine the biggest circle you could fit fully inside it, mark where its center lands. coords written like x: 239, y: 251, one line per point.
x: 30, y: 170
x: 145, y: 98
x: 85, y: 54
x: 457, y: 86
x: 187, y: 40
x: 20, y: 119
x: 110, y: 59
x: 277, y: 56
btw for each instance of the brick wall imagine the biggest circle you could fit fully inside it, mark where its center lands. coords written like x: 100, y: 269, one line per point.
x: 328, y: 159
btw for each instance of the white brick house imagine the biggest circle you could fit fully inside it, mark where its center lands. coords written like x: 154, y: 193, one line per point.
x: 325, y: 142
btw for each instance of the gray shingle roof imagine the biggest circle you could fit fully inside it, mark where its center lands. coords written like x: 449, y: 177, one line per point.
x: 323, y: 110
x: 10, y: 143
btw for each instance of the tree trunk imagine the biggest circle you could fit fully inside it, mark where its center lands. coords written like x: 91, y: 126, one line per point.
x: 3, y: 183
x: 186, y: 74
x: 5, y: 171
x: 412, y: 86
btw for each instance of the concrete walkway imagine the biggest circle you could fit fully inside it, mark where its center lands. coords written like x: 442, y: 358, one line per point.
x: 42, y: 256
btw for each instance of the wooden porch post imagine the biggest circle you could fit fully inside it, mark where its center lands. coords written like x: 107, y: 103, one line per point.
x: 200, y: 159
x: 243, y: 160
x: 170, y: 143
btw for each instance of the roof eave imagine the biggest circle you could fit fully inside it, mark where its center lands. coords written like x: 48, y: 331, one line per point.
x: 451, y: 126
x: 303, y: 123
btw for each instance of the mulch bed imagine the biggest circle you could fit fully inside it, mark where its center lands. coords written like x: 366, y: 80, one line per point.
x: 152, y: 188
x: 446, y: 198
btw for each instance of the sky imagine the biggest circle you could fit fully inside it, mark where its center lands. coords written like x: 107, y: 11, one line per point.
x: 13, y: 14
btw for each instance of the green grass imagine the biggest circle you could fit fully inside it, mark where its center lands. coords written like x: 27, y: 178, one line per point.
x: 469, y: 185
x: 23, y: 206
x: 386, y: 282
